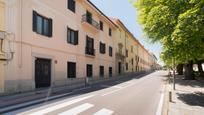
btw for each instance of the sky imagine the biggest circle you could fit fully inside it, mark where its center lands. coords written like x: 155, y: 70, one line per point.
x: 127, y: 13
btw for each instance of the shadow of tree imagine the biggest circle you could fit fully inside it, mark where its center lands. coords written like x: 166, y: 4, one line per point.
x: 193, y: 99
x: 192, y: 83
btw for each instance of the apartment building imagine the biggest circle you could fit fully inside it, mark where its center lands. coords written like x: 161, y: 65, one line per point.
x: 48, y: 41
x: 2, y: 28
x: 131, y: 56
x: 128, y: 50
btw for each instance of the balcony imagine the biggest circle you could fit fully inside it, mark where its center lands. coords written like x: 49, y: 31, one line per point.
x: 90, y: 51
x: 90, y: 23
x: 120, y: 56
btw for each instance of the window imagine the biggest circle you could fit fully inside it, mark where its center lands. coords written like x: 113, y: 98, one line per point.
x: 89, y: 70
x: 132, y: 61
x: 90, y: 46
x: 126, y: 53
x: 110, y: 72
x: 101, y: 25
x: 126, y: 66
x: 132, y: 49
x: 71, y: 5
x: 71, y: 70
x: 102, y: 48
x: 110, y: 32
x: 101, y: 71
x: 42, y: 25
x: 72, y: 36
x: 110, y: 51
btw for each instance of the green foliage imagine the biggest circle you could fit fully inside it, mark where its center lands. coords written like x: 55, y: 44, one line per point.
x: 177, y: 24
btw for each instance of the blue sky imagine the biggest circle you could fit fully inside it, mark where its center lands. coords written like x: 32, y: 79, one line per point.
x: 124, y: 11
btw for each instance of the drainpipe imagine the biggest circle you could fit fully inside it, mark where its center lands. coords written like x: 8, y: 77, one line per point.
x: 20, y: 36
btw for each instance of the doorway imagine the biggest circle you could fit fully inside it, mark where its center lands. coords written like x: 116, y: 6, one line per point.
x: 42, y: 73
x: 119, y: 67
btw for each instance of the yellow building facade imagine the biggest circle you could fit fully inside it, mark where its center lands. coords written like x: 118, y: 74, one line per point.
x: 131, y: 56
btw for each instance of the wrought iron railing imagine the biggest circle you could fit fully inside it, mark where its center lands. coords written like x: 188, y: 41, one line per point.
x: 90, y: 51
x: 91, y: 21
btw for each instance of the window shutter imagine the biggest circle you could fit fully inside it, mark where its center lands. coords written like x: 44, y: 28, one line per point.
x: 104, y: 45
x: 100, y: 47
x: 50, y: 28
x: 34, y: 21
x: 68, y: 35
x: 76, y: 38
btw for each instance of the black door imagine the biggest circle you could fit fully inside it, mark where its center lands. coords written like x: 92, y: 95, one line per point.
x: 71, y: 69
x: 101, y: 71
x: 89, y: 70
x: 42, y: 73
x: 119, y: 67
x: 110, y: 71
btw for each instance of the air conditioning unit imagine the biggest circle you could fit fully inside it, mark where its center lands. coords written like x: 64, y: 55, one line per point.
x: 2, y: 34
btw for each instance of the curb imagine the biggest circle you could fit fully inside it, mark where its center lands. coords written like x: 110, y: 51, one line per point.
x: 166, y: 100
x: 26, y: 104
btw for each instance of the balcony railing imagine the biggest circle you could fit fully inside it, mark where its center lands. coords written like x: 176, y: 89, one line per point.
x: 91, y: 21
x: 119, y: 55
x: 90, y: 51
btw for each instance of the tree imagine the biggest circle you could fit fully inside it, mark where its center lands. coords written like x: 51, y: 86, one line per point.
x: 178, y: 25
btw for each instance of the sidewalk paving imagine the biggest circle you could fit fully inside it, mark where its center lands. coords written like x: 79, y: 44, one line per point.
x: 188, y: 98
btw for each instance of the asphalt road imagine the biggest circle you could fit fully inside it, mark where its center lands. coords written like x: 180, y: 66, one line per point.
x: 136, y: 96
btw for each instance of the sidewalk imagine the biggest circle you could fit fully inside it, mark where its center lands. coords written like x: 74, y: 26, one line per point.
x: 188, y: 98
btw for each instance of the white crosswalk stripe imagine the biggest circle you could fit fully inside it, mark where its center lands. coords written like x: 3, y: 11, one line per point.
x: 77, y: 110
x: 59, y: 106
x: 104, y: 112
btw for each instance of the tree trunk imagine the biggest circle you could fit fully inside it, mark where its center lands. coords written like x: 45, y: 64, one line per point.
x: 189, y: 71
x: 200, y: 69
x: 179, y: 69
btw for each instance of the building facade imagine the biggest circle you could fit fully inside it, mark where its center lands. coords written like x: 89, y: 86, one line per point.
x: 48, y: 41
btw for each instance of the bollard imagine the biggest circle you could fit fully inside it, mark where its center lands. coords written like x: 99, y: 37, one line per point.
x: 170, y: 96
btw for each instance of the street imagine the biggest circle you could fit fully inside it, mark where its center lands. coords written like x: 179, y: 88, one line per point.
x: 137, y: 96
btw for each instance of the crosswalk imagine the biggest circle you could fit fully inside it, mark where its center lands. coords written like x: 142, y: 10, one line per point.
x: 60, y: 108
x: 84, y: 107
x: 77, y: 110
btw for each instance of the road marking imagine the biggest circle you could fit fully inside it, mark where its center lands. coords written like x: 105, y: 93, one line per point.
x: 107, y: 86
x: 55, y: 107
x: 159, y: 109
x: 117, y: 90
x: 77, y: 110
x: 119, y: 87
x: 110, y: 92
x: 104, y: 112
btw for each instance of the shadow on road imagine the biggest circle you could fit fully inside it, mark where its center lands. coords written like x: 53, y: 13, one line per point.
x: 193, y: 99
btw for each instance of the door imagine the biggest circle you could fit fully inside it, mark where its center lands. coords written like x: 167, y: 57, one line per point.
x: 89, y: 70
x: 89, y: 17
x: 71, y: 69
x: 119, y: 67
x: 42, y: 73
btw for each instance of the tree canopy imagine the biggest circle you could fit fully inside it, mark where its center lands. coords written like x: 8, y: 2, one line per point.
x: 177, y: 24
